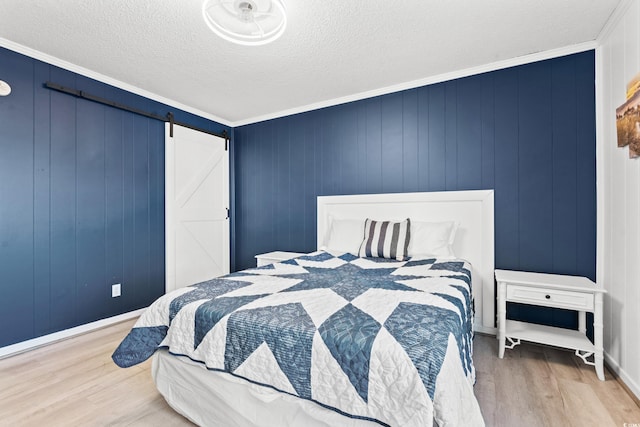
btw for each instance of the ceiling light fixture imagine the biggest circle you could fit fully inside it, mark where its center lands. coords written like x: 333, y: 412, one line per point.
x: 5, y: 89
x: 246, y: 22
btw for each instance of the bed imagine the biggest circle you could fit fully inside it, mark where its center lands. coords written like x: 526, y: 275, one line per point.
x: 364, y: 331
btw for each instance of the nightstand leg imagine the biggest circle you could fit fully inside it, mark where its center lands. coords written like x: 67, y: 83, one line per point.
x: 582, y: 321
x: 597, y: 336
x: 502, y: 317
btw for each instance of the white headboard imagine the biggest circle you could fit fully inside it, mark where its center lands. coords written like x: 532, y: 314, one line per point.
x: 473, y: 210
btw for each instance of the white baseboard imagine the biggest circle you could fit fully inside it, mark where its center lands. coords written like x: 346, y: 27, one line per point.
x: 622, y: 375
x: 487, y: 330
x: 31, y: 344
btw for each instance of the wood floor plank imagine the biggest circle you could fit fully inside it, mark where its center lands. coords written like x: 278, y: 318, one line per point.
x: 621, y: 406
x: 542, y: 383
x: 75, y: 383
x: 513, y: 386
x: 485, y: 387
x: 584, y: 405
x: 542, y: 386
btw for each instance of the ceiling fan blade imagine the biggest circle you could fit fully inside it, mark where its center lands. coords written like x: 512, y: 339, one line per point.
x: 261, y: 30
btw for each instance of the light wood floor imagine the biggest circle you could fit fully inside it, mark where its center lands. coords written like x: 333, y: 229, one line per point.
x: 75, y: 383
x: 542, y: 386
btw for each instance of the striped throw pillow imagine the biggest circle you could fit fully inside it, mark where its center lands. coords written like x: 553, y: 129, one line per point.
x: 386, y: 239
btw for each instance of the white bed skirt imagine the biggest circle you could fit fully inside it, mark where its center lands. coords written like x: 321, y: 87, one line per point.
x: 211, y: 398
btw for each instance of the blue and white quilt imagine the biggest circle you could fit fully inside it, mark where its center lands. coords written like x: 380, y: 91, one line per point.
x: 384, y: 340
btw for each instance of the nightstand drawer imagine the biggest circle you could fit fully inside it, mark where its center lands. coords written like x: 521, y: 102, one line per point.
x: 581, y: 301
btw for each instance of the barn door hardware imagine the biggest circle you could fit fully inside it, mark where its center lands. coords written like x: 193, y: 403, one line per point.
x: 169, y: 118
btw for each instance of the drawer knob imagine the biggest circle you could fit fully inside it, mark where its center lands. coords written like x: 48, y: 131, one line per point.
x: 547, y: 296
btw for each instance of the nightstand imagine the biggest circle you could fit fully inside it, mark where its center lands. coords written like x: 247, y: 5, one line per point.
x: 276, y: 256
x: 551, y: 290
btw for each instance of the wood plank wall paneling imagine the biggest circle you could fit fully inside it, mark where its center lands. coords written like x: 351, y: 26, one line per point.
x: 619, y: 183
x: 528, y: 132
x: 17, y: 233
x: 81, y: 201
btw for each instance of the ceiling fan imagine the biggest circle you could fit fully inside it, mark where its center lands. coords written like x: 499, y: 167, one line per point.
x: 246, y: 22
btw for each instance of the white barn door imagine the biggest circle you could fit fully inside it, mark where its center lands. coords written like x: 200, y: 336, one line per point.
x: 197, y: 201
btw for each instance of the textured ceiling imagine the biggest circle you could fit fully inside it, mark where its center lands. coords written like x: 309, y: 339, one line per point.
x: 331, y: 49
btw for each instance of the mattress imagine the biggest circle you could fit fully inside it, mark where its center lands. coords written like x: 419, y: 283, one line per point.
x: 217, y: 399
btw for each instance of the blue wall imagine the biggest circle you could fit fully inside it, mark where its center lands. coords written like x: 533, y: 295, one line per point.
x: 82, y: 185
x: 528, y: 132
x: 81, y: 201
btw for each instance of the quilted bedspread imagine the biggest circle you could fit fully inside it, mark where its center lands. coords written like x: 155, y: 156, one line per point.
x: 384, y: 340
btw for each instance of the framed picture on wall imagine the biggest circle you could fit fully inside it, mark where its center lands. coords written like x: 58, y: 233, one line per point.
x: 628, y: 118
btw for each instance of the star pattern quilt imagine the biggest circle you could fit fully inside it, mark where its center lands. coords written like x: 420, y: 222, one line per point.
x: 378, y: 339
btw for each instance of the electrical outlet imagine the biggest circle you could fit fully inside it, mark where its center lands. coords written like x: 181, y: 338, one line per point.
x: 115, y: 290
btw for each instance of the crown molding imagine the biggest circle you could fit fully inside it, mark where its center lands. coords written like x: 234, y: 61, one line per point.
x: 494, y: 66
x: 49, y: 59
x: 614, y: 19
x: 520, y: 60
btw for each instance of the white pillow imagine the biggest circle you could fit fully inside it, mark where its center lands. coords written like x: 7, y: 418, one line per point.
x: 432, y: 239
x: 345, y: 235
